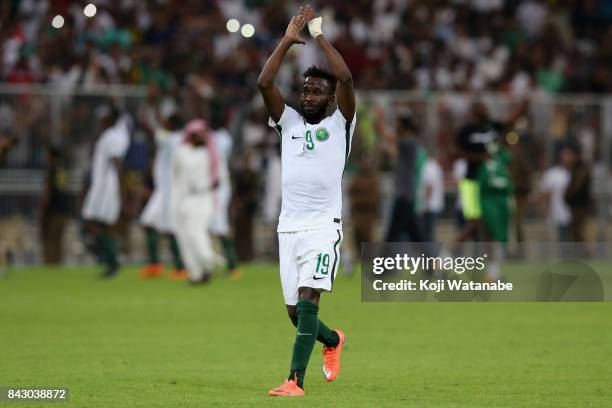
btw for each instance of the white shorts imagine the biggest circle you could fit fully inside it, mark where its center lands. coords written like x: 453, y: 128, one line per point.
x: 219, y: 224
x: 308, y: 259
x: 103, y: 202
x: 157, y: 214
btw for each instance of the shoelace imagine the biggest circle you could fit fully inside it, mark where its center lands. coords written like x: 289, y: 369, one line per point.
x: 327, y: 352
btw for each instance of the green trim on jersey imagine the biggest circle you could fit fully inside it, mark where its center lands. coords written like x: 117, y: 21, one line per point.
x: 279, y: 129
x: 421, y: 160
x: 347, y: 136
x: 333, y: 276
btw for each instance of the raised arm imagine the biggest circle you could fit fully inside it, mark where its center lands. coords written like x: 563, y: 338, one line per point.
x: 345, y: 94
x: 272, y: 97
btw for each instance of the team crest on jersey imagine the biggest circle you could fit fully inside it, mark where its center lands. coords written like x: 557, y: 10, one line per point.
x: 321, y: 134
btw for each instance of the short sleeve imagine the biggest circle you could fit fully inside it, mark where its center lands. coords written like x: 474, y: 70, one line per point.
x: 429, y: 173
x: 546, y: 182
x: 459, y: 169
x: 289, y: 118
x: 462, y: 139
x: 341, y: 122
x: 160, y: 135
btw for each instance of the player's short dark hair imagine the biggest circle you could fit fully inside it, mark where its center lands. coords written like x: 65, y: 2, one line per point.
x: 175, y: 122
x: 573, y: 145
x: 408, y: 123
x: 108, y: 111
x: 318, y: 72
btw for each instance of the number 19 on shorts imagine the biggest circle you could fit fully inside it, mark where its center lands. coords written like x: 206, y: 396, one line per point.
x: 322, y: 264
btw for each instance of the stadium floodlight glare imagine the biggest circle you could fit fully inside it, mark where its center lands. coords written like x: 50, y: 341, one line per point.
x: 247, y: 30
x: 232, y: 25
x: 90, y: 10
x: 512, y: 138
x: 57, y: 22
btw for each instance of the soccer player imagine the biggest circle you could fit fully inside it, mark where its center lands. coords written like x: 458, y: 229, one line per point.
x: 6, y: 144
x: 473, y: 140
x: 102, y: 203
x: 157, y: 216
x: 553, y: 185
x: 314, y: 148
x: 194, y: 177
x: 496, y: 190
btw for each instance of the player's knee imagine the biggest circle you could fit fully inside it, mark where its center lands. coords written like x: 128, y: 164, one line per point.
x: 309, y: 295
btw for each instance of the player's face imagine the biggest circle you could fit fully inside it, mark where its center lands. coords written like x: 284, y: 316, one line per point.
x: 197, y: 138
x: 201, y: 137
x: 315, y: 99
x: 568, y: 158
x: 479, y: 112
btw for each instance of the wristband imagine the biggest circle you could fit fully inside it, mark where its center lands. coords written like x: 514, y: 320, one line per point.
x: 314, y: 27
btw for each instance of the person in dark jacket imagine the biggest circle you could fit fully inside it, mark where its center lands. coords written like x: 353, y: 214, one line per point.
x: 55, y: 206
x: 578, y: 194
x: 410, y: 159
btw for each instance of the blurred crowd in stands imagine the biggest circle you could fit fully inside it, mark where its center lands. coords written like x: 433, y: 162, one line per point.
x: 507, y: 45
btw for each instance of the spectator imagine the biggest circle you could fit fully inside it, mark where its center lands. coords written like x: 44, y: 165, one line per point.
x: 578, y: 194
x: 521, y: 170
x: 7, y: 234
x: 409, y: 157
x: 6, y: 143
x: 553, y: 185
x: 431, y: 196
x: 195, y: 177
x: 429, y: 45
x: 473, y: 141
x: 495, y: 195
x: 459, y: 170
x: 246, y: 186
x: 55, y: 207
x: 364, y: 195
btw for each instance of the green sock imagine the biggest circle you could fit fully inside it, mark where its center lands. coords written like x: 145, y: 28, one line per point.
x: 176, y: 254
x: 152, y: 237
x: 113, y: 246
x: 307, y: 331
x: 108, y: 248
x: 229, y: 252
x: 325, y: 335
x: 100, y: 249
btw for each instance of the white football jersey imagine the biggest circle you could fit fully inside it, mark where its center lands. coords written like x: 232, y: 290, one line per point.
x: 157, y: 213
x: 103, y: 200
x: 166, y: 143
x: 224, y: 144
x: 312, y: 159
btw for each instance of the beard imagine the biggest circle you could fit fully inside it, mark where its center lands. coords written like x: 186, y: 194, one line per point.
x: 314, y: 116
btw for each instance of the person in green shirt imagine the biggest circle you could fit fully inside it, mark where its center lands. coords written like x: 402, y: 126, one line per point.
x: 496, y: 190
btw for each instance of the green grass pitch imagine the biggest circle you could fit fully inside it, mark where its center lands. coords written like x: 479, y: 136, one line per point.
x: 133, y: 343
